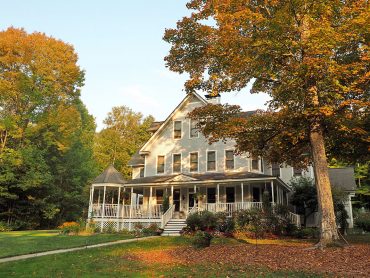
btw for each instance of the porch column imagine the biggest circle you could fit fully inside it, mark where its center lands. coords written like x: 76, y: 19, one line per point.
x: 272, y: 193
x: 91, y: 203
x: 242, y: 188
x: 131, y: 204
x: 218, y: 193
x: 150, y: 201
x: 118, y: 210
x: 103, y: 211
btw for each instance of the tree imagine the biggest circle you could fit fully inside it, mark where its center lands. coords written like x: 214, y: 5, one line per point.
x: 126, y: 131
x: 310, y: 56
x: 45, y: 131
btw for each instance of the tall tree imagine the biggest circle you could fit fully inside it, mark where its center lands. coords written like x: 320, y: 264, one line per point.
x: 126, y: 131
x: 310, y: 56
x: 45, y: 131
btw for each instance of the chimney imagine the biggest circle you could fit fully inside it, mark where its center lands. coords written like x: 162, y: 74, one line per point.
x: 213, y: 99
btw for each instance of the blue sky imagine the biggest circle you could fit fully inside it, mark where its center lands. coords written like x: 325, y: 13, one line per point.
x: 120, y: 47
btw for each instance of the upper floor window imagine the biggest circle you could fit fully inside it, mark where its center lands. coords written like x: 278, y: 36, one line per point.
x: 255, y: 163
x: 177, y: 129
x: 142, y: 172
x: 297, y: 172
x: 275, y: 169
x: 193, y: 162
x: 176, y: 166
x: 160, y: 164
x: 193, y: 130
x: 229, y: 160
x: 211, y: 161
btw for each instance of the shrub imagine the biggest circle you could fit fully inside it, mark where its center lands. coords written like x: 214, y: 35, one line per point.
x: 166, y: 203
x: 194, y: 221
x: 246, y: 217
x: 208, y: 220
x: 69, y: 228
x: 363, y: 221
x: 151, y: 230
x: 224, y: 223
x: 4, y: 227
x: 201, y: 239
x: 307, y: 233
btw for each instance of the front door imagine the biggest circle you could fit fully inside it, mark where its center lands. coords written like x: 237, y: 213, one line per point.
x: 256, y: 194
x: 191, y: 200
x: 230, y: 194
x: 176, y: 199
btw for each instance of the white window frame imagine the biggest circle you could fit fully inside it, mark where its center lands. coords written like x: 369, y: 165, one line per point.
x: 164, y: 165
x: 259, y: 164
x: 279, y: 170
x: 190, y: 137
x: 173, y: 130
x: 190, y: 162
x: 173, y: 162
x: 226, y: 169
x: 207, y: 151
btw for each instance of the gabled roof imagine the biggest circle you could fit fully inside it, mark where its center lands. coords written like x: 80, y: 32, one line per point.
x: 343, y: 178
x: 154, y: 126
x: 163, y: 124
x: 110, y: 175
x: 136, y: 160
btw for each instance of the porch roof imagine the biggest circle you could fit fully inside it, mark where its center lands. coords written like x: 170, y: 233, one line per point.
x: 110, y: 175
x: 202, y: 178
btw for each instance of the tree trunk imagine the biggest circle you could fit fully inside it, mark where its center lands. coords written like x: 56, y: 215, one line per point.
x: 328, y: 227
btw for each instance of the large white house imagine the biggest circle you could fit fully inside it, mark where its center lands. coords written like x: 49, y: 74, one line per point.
x: 178, y: 162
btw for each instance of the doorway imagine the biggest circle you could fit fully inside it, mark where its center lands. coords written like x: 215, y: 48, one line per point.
x: 230, y: 194
x: 176, y: 199
x: 256, y: 194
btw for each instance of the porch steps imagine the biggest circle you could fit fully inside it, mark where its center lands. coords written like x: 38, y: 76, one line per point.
x: 173, y: 227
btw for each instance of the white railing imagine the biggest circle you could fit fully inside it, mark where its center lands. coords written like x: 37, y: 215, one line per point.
x: 127, y: 211
x: 230, y: 208
x: 295, y: 218
x: 167, y: 215
x: 194, y: 209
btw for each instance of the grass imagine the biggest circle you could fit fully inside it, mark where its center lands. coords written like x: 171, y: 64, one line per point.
x: 25, y: 242
x: 112, y: 262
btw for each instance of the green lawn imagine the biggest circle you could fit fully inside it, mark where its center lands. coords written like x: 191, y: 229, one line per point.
x: 25, y: 242
x: 113, y: 262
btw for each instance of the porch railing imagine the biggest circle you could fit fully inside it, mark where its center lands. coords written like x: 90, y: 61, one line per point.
x: 127, y: 211
x: 230, y: 208
x: 295, y: 218
x: 168, y: 215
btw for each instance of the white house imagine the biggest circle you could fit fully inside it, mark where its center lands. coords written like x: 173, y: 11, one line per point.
x: 177, y: 161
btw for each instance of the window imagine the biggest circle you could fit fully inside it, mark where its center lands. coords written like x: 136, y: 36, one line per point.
x: 193, y: 130
x: 229, y: 160
x: 211, y: 195
x: 297, y: 172
x: 176, y: 166
x: 211, y: 161
x: 177, y: 129
x: 230, y: 195
x: 255, y: 163
x: 275, y: 169
x: 193, y: 162
x: 160, y: 164
x: 159, y: 196
x: 141, y: 172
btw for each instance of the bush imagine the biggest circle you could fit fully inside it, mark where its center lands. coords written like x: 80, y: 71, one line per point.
x: 208, y: 220
x: 307, y: 233
x: 363, y: 221
x: 69, y: 228
x: 224, y: 223
x: 194, y: 222
x: 201, y: 239
x: 246, y: 217
x: 152, y: 230
x: 166, y: 203
x: 4, y: 227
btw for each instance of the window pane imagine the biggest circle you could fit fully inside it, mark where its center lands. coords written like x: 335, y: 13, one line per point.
x: 177, y: 163
x: 160, y: 164
x: 193, y: 162
x: 141, y: 172
x: 275, y: 169
x: 177, y: 129
x: 211, y: 161
x: 193, y: 130
x: 229, y: 162
x: 255, y: 162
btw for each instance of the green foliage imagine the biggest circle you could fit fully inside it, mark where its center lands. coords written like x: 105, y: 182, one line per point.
x: 151, y: 230
x: 194, y: 221
x: 363, y: 221
x: 70, y: 228
x: 125, y: 132
x: 307, y: 233
x: 225, y: 224
x: 201, y: 239
x: 208, y: 220
x: 4, y: 227
x: 166, y: 203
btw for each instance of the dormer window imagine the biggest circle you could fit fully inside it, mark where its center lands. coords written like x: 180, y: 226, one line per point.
x: 255, y: 164
x: 177, y: 129
x: 275, y: 169
x: 229, y: 160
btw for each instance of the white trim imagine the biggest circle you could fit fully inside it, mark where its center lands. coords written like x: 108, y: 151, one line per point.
x: 173, y: 129
x: 207, y: 151
x: 156, y: 165
x: 190, y: 121
x: 173, y: 163
x: 197, y: 171
x: 159, y: 130
x: 227, y: 150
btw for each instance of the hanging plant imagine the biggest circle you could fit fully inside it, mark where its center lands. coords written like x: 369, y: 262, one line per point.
x: 199, y: 196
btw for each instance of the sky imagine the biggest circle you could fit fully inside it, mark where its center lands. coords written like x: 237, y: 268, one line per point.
x: 120, y: 48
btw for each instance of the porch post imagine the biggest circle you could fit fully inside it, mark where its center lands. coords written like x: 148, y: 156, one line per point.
x: 130, y: 217
x: 150, y: 201
x: 218, y: 193
x: 103, y: 211
x: 118, y: 210
x: 242, y: 187
x: 272, y: 193
x: 91, y: 202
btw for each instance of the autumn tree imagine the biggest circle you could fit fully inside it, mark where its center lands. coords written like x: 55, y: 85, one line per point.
x: 46, y: 132
x: 310, y: 56
x: 125, y: 132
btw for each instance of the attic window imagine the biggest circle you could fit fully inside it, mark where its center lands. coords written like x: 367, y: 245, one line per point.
x: 177, y: 129
x: 255, y: 163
